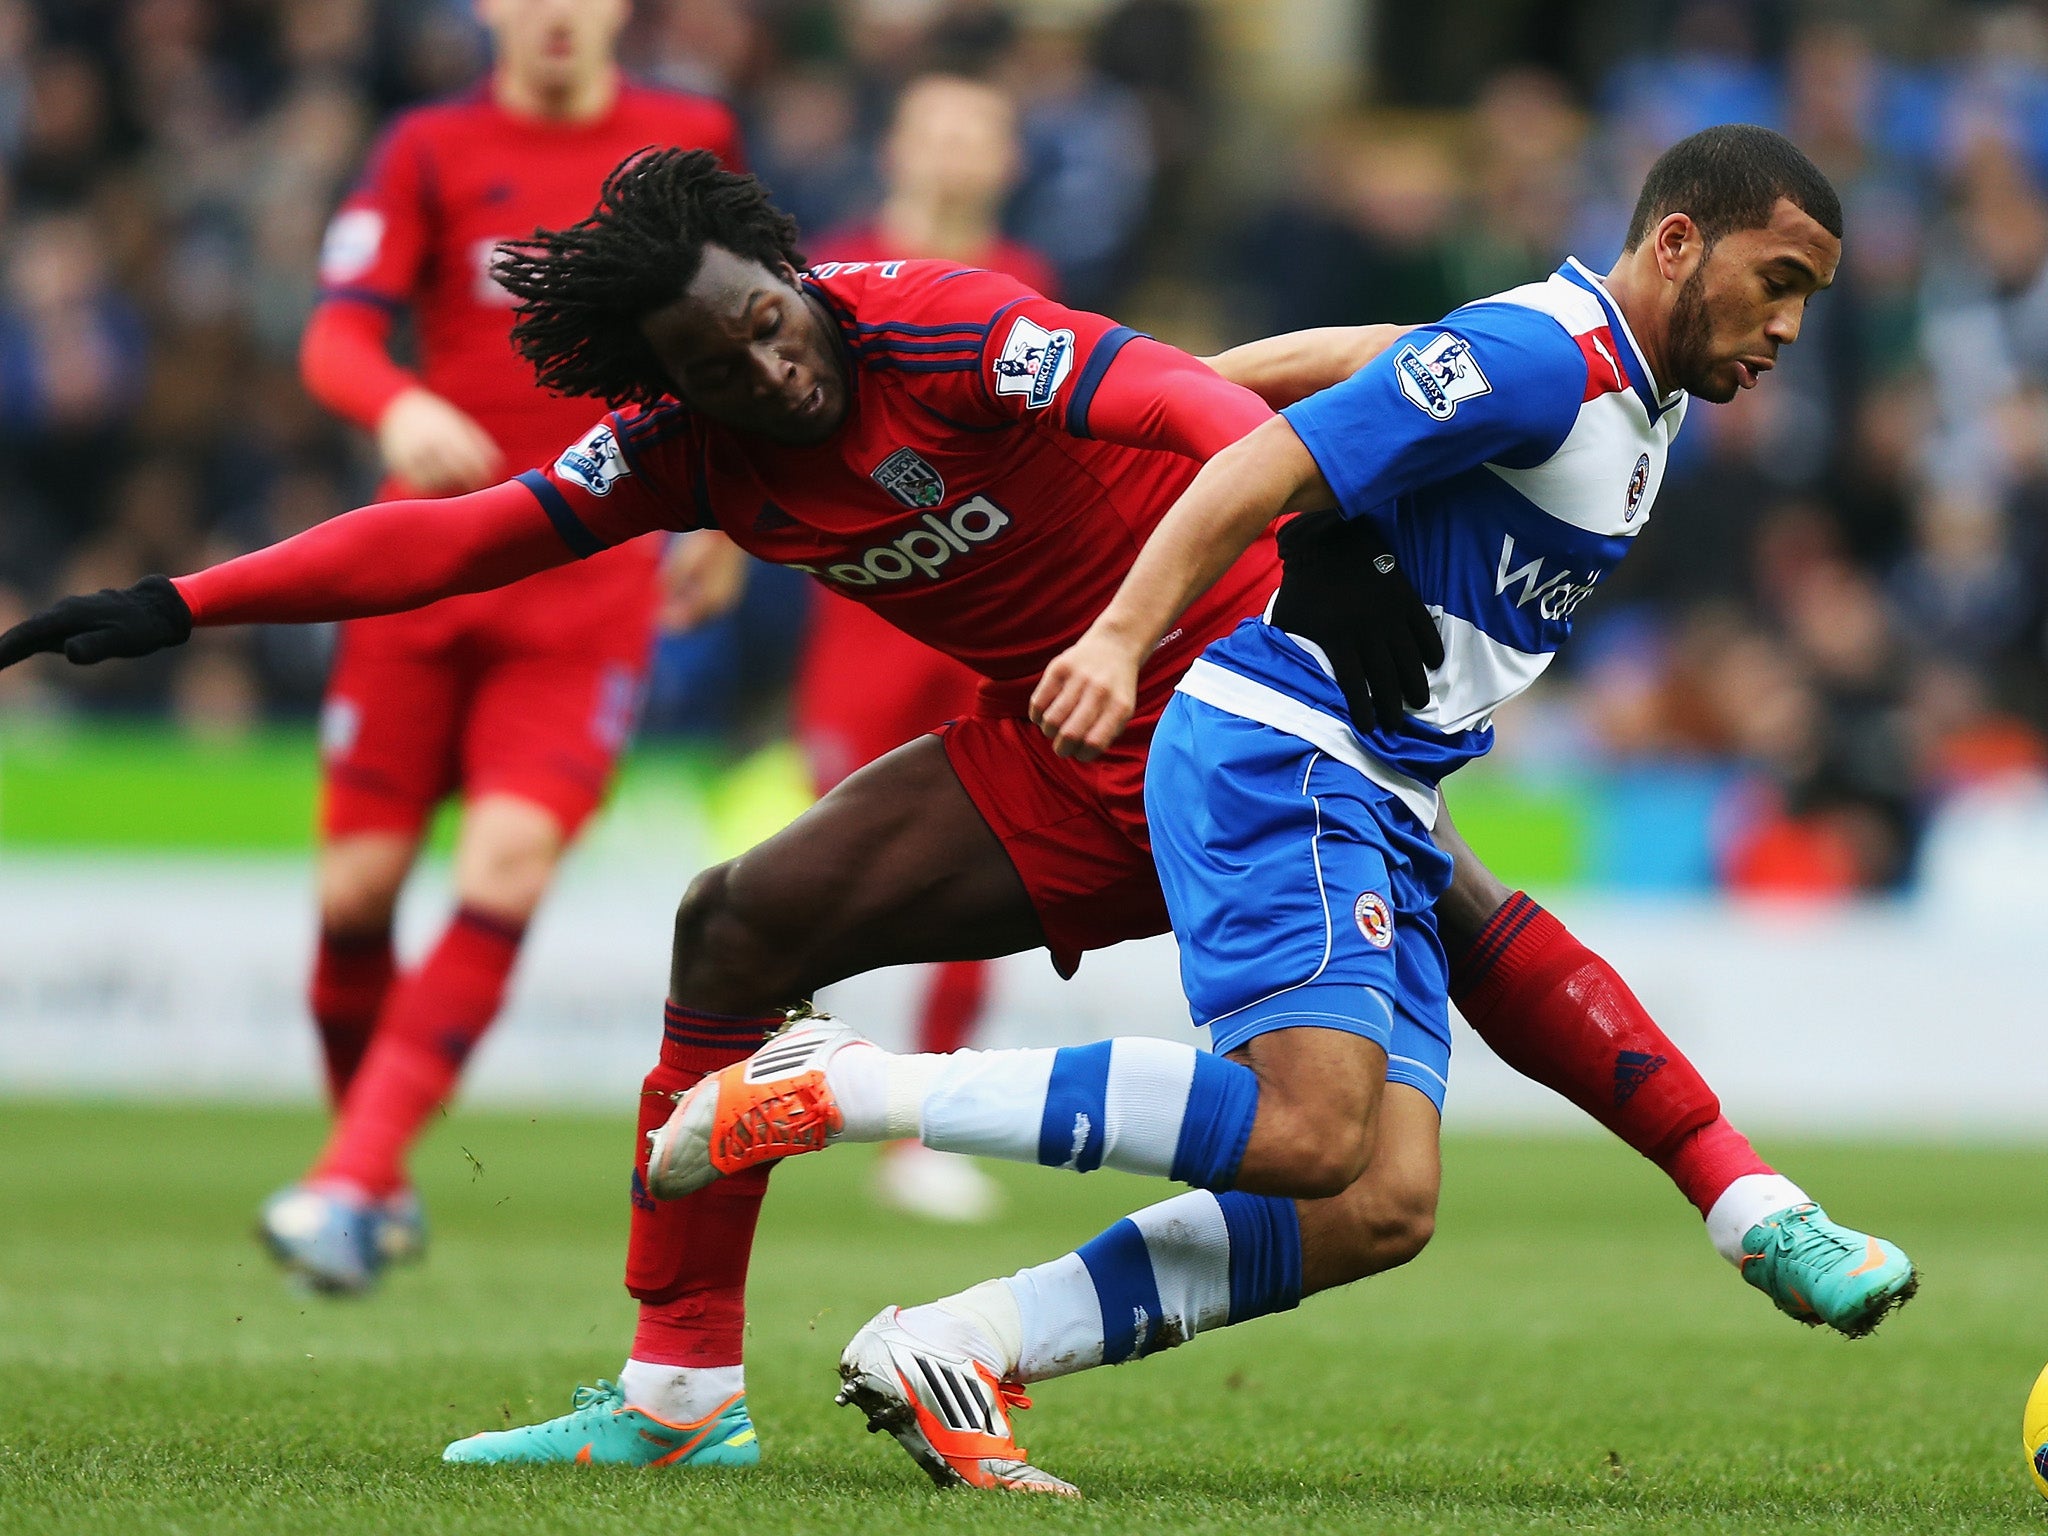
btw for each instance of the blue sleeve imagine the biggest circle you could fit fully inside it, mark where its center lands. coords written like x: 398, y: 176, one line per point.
x: 1488, y: 384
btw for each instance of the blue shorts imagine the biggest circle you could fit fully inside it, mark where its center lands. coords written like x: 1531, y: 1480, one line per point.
x: 1303, y: 895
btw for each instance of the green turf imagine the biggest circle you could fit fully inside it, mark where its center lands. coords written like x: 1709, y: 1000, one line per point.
x: 1569, y: 1356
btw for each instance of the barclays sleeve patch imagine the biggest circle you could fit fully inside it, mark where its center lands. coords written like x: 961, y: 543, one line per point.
x: 595, y: 462
x: 1034, y: 363
x: 1441, y: 375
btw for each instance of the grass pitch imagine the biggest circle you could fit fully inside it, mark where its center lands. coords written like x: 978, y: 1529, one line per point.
x: 1569, y: 1355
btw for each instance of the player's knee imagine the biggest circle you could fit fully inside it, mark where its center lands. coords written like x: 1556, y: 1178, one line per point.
x: 1314, y: 1158
x: 358, y: 888
x: 507, y: 880
x: 1385, y: 1227
x: 723, y: 950
x: 1403, y: 1230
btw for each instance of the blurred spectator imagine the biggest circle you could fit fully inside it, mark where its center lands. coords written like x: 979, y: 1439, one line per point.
x: 1088, y: 161
x: 1372, y: 235
x: 950, y: 159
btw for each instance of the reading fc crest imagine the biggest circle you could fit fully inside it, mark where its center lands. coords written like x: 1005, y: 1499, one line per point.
x: 1638, y: 482
x: 1374, y: 920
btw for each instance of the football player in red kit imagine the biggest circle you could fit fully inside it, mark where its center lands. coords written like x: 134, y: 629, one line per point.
x: 518, y: 700
x: 980, y: 465
x: 863, y: 686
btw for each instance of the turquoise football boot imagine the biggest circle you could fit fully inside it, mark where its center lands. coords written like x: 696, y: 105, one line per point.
x: 1822, y: 1273
x: 600, y: 1430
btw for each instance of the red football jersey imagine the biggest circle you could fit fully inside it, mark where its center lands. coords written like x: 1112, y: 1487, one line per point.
x: 964, y: 499
x: 446, y: 184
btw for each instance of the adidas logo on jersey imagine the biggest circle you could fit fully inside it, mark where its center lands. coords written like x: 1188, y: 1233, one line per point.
x: 1554, y: 598
x: 932, y: 540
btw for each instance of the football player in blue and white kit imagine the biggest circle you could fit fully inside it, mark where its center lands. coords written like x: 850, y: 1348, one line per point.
x: 1508, y: 455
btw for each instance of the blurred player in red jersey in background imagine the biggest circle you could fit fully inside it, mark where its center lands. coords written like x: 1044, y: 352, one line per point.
x: 864, y: 687
x: 520, y: 700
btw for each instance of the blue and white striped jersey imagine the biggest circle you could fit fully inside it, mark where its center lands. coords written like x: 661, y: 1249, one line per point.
x: 1510, y: 452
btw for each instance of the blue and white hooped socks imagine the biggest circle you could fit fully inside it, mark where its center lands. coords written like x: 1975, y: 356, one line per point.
x: 1197, y: 1262
x: 1148, y: 1106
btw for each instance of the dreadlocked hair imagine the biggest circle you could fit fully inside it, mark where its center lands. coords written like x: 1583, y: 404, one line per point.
x: 584, y: 290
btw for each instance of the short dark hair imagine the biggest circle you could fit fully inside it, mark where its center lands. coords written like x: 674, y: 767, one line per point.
x: 1730, y: 178
x: 584, y: 290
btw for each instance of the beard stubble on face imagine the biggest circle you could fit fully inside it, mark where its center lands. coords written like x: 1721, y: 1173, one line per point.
x: 1690, y: 340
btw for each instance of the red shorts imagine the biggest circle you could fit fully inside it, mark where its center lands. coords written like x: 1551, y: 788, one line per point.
x: 864, y: 688
x: 1075, y: 831
x: 409, y: 720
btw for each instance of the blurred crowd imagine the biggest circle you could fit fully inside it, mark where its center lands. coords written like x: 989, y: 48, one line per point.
x: 1839, y: 621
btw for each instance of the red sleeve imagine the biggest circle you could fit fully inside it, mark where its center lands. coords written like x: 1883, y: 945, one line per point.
x: 345, y: 363
x: 1049, y: 366
x: 376, y: 243
x: 634, y: 472
x: 385, y: 558
x: 1154, y: 396
x: 977, y: 345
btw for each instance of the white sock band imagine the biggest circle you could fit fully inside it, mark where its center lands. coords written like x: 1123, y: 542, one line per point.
x: 1745, y: 1203
x: 680, y: 1394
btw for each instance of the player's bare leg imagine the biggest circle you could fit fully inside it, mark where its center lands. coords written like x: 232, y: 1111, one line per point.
x: 942, y: 1378
x: 355, y: 1211
x: 894, y: 866
x: 1560, y: 1015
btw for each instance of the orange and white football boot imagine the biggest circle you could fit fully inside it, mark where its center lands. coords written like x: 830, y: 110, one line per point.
x: 775, y: 1104
x: 947, y: 1409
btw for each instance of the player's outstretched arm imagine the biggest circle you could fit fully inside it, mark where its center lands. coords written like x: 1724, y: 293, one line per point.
x: 1283, y: 369
x: 1087, y: 694
x: 386, y: 558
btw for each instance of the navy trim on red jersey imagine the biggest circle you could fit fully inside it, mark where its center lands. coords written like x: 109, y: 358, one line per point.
x: 371, y: 296
x: 870, y: 344
x: 581, y: 541
x: 888, y: 362
x: 963, y: 272
x: 920, y: 330
x: 1106, y: 349
x: 988, y: 395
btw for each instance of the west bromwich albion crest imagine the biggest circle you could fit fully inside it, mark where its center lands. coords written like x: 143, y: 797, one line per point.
x: 910, y: 480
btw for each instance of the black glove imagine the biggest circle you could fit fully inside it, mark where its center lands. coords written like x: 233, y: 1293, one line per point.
x: 147, y: 617
x: 1339, y: 588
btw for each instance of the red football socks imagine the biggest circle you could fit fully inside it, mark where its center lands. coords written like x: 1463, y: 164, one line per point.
x: 953, y: 1005
x: 686, y: 1260
x: 352, y: 975
x: 433, y: 1021
x: 1559, y: 1014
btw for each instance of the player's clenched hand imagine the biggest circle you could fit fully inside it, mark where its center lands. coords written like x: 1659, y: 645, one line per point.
x: 434, y: 447
x: 702, y: 577
x: 1086, y: 696
x: 93, y: 627
x: 1341, y: 588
